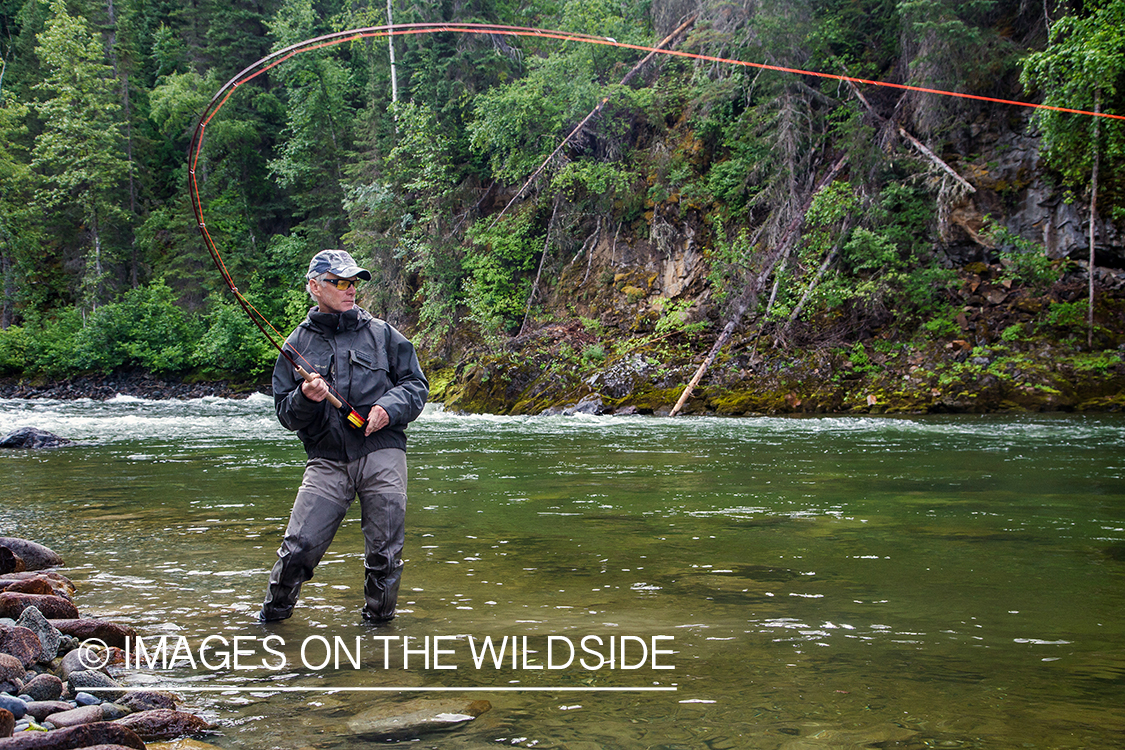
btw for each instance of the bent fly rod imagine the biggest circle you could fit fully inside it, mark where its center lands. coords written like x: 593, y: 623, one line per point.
x: 342, y: 37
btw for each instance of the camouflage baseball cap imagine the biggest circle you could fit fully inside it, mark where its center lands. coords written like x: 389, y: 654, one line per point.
x: 338, y: 262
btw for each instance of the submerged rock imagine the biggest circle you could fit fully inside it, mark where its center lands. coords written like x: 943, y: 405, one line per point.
x: 393, y: 721
x: 163, y: 724
x: 32, y: 437
x: 34, y: 555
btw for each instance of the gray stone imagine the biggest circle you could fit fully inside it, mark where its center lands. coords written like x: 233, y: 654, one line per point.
x: 32, y: 619
x: 15, y: 705
x: 80, y: 660
x: 589, y: 404
x: 44, y: 687
x: 397, y: 721
x: 91, y: 681
x: 76, y: 716
x: 86, y: 699
x: 34, y: 555
x: 32, y: 437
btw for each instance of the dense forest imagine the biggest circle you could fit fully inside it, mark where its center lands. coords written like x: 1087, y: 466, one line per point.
x: 558, y: 223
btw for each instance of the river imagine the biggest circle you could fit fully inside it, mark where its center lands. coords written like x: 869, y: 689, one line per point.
x: 791, y: 583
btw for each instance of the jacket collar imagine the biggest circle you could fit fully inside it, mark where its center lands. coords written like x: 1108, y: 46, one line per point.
x: 330, y: 323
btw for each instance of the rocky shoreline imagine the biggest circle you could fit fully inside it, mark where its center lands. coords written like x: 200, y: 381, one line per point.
x: 137, y: 384
x: 57, y: 692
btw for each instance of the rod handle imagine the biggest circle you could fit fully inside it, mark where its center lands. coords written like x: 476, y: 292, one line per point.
x: 308, y: 376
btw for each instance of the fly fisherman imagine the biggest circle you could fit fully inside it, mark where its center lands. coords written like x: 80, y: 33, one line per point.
x: 372, y: 368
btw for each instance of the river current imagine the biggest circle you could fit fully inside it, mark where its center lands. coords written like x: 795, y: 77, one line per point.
x: 793, y: 583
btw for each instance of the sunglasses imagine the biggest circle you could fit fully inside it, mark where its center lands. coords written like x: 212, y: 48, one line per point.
x: 341, y: 284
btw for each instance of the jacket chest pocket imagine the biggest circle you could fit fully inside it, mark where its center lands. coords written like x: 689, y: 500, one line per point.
x: 370, y: 376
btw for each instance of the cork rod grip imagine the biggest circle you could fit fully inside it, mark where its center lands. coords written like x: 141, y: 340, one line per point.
x: 308, y: 376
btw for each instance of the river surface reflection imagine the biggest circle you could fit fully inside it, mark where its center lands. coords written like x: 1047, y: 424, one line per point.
x: 952, y: 582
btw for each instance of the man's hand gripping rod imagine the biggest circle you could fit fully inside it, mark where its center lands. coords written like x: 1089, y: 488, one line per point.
x: 354, y: 419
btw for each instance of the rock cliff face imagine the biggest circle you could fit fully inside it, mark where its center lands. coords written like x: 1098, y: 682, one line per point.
x: 1014, y: 190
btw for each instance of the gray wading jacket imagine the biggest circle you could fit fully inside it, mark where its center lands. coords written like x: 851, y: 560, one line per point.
x: 366, y: 362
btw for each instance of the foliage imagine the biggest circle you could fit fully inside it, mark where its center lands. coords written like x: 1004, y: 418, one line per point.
x: 1082, y: 67
x: 102, y: 264
x: 502, y: 251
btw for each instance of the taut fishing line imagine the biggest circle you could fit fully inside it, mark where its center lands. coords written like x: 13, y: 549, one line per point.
x: 342, y: 37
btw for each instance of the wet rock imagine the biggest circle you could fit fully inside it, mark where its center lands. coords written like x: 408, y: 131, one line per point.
x: 87, y: 699
x: 7, y: 723
x: 393, y: 721
x: 32, y: 619
x: 11, y: 672
x: 114, y: 711
x: 13, y: 705
x: 44, y: 687
x: 111, y: 633
x: 32, y: 437
x: 57, y: 583
x: 34, y: 555
x: 77, y: 716
x: 40, y: 710
x: 184, y: 743
x: 98, y: 734
x: 21, y: 643
x: 30, y: 586
x: 163, y: 724
x: 13, y: 603
x: 591, y: 404
x: 10, y: 562
x: 147, y: 700
x: 92, y: 681
x: 79, y: 660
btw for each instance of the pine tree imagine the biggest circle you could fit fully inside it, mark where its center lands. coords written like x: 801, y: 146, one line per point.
x: 79, y: 153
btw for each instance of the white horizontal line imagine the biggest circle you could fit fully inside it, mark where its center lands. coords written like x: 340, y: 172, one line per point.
x: 398, y: 689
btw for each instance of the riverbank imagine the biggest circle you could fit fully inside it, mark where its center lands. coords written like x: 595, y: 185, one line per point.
x: 998, y: 346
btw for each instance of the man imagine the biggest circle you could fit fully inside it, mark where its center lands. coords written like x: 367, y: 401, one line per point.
x: 373, y: 369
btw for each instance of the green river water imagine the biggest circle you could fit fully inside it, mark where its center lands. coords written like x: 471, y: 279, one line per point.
x: 938, y: 582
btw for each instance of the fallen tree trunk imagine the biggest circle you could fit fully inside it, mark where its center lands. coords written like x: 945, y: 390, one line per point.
x: 749, y: 297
